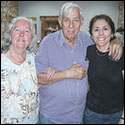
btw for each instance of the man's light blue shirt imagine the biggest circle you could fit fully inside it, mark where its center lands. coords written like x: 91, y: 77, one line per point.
x: 63, y: 102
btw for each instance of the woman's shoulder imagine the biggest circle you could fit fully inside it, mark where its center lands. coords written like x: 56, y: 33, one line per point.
x: 30, y: 57
x: 91, y: 51
x: 2, y: 55
x: 3, y: 59
x: 5, y: 63
x: 91, y: 47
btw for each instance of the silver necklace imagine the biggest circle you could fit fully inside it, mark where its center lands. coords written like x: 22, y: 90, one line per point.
x: 101, y: 53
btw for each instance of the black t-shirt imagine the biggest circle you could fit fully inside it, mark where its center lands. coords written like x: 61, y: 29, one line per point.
x: 106, y: 82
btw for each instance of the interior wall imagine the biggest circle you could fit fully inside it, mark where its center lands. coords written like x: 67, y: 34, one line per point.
x: 52, y: 8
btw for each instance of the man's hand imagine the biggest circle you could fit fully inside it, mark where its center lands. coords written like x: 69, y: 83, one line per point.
x: 115, y: 49
x: 76, y: 72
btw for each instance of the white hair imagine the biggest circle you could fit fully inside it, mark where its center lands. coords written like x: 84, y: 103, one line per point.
x: 69, y: 6
x: 10, y: 28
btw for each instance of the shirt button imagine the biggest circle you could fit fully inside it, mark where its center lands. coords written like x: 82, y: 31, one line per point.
x: 78, y: 84
x: 77, y: 94
x: 72, y: 51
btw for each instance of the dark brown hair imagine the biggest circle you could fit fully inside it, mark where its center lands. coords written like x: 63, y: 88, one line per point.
x: 99, y: 17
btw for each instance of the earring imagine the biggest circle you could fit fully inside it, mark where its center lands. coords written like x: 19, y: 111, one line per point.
x: 112, y: 36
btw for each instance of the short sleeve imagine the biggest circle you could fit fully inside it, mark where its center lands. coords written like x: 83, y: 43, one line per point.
x: 88, y: 53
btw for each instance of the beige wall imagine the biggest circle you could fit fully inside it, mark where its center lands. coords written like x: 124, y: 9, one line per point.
x: 10, y: 9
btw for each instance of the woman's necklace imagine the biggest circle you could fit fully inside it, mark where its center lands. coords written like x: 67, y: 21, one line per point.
x: 16, y: 60
x: 101, y: 53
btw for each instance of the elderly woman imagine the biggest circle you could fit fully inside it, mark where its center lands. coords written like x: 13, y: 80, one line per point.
x: 19, y: 89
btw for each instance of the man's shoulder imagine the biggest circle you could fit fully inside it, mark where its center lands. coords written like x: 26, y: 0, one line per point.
x: 83, y: 34
x: 51, y: 37
x: 85, y: 38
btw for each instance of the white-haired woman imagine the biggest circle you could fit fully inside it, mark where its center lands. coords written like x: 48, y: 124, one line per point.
x: 19, y: 89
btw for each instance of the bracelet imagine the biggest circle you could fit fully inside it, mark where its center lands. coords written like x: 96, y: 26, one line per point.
x: 122, y: 118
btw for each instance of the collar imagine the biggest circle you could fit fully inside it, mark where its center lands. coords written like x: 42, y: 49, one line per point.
x: 63, y: 42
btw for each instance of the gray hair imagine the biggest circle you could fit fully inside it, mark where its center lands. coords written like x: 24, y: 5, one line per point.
x: 69, y: 6
x: 9, y: 31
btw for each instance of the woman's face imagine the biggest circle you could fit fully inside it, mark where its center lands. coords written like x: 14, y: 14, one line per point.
x: 21, y: 35
x: 101, y: 32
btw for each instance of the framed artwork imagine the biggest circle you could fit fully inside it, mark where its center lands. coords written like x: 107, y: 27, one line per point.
x: 49, y: 22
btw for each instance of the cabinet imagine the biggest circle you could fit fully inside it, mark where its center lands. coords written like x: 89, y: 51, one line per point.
x: 49, y: 22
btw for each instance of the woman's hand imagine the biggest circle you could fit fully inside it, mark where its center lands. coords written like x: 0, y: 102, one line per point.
x: 50, y: 72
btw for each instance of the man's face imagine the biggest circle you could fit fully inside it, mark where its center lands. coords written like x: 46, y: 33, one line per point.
x: 71, y: 25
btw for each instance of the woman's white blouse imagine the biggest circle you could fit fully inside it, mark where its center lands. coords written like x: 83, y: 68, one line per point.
x: 19, y: 91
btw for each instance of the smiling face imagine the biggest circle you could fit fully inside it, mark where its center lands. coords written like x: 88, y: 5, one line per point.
x: 101, y: 33
x: 71, y: 24
x: 21, y: 35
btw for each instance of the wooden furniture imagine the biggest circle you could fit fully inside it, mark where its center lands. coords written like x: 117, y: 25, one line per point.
x: 49, y: 22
